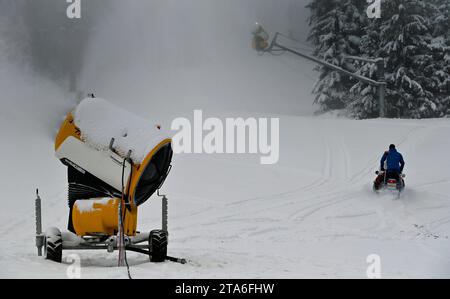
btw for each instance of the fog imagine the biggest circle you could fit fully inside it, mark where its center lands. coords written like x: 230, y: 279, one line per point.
x: 194, y: 54
x: 158, y: 57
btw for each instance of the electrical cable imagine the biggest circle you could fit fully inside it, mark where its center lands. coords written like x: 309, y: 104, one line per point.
x: 122, y: 217
x: 304, y: 47
x: 297, y: 41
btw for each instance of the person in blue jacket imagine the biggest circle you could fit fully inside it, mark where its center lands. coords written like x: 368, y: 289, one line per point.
x: 392, y: 162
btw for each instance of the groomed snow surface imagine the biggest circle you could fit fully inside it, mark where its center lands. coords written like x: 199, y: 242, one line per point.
x: 311, y: 215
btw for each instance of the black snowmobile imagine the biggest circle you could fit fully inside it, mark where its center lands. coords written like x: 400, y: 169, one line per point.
x: 389, y: 181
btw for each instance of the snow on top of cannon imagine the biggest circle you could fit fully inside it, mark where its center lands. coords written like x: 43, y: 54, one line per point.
x: 99, y: 121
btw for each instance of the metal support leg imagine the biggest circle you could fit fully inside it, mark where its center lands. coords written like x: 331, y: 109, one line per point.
x: 165, y: 212
x: 39, y: 235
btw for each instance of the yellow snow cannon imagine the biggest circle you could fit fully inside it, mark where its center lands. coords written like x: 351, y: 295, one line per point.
x: 260, y: 41
x: 115, y: 162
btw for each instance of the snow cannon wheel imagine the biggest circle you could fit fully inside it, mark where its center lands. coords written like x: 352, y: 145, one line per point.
x: 157, y: 242
x: 53, y: 245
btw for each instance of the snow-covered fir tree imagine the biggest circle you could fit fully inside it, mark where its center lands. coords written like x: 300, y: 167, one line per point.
x: 336, y: 28
x: 441, y: 50
x: 412, y: 39
x: 401, y: 37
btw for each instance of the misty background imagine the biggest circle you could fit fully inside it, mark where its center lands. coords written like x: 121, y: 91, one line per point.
x: 160, y: 59
x: 174, y: 55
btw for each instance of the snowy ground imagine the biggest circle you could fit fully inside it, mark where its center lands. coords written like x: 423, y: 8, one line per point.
x: 311, y: 215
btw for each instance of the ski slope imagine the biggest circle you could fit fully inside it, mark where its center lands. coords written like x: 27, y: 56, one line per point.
x: 311, y: 215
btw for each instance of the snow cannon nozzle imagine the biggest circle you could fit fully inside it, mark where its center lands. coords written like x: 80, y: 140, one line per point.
x: 101, y: 158
x: 260, y: 40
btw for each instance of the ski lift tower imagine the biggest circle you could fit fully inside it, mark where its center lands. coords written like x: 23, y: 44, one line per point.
x: 261, y: 44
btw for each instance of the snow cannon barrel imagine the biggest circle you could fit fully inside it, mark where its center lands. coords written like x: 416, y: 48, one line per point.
x: 260, y: 41
x: 110, y: 152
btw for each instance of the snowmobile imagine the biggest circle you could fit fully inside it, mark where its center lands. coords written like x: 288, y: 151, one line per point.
x: 115, y: 162
x: 389, y: 182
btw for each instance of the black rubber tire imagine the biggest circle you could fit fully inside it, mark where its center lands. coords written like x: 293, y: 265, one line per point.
x: 53, y: 245
x: 157, y: 242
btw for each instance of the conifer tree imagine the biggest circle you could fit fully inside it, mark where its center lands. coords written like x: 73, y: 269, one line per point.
x: 336, y: 27
x: 412, y: 38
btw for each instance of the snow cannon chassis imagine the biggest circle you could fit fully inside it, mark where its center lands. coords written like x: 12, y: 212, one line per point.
x: 54, y: 242
x: 113, y: 167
